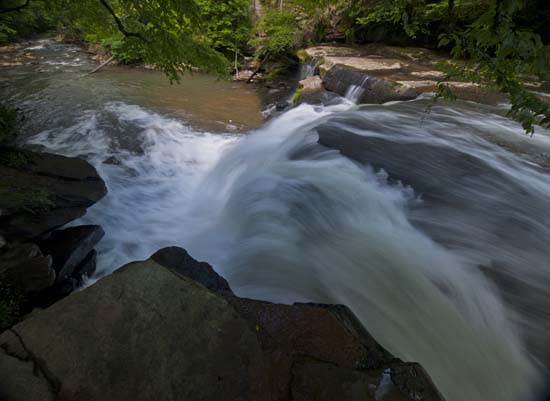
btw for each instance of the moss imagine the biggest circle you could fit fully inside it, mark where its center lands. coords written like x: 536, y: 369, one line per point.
x: 302, y: 56
x: 15, y: 158
x: 11, y: 301
x: 24, y: 199
x: 296, y: 96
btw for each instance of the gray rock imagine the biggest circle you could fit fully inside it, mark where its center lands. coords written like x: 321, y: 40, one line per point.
x: 179, y: 260
x: 144, y: 333
x: 376, y: 89
x: 311, y: 90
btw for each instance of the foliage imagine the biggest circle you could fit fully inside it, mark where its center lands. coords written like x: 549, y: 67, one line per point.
x: 282, y: 35
x: 497, y: 50
x: 175, y: 35
x: 227, y: 24
x: 22, y: 23
x: 8, y: 121
x: 296, y: 96
x: 15, y: 158
x: 24, y: 199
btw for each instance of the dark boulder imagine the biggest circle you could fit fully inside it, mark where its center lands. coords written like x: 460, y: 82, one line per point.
x: 69, y: 248
x: 179, y: 260
x: 26, y: 266
x: 46, y: 193
x: 86, y: 268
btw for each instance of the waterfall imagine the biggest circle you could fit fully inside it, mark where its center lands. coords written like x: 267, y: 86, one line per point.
x: 285, y: 219
x: 354, y: 92
x: 307, y: 69
x: 437, y: 239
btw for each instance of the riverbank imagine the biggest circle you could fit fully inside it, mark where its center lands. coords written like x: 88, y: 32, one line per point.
x: 39, y: 262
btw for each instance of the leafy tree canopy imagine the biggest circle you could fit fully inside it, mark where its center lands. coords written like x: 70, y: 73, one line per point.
x: 173, y: 34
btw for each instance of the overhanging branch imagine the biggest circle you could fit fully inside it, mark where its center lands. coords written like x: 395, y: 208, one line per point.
x: 119, y: 23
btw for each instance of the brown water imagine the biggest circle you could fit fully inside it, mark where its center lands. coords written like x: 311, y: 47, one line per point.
x: 53, y: 86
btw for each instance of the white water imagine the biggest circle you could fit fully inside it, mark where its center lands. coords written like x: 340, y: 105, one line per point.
x: 354, y: 92
x: 286, y: 220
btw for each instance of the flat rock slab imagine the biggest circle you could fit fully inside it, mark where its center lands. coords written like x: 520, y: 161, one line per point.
x: 311, y: 84
x: 371, y: 65
x: 142, y: 334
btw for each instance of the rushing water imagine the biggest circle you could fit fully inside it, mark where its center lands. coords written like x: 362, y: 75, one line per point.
x: 449, y: 267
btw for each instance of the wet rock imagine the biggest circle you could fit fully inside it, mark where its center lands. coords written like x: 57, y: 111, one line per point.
x: 179, y: 260
x: 69, y: 248
x: 412, y: 380
x: 281, y: 106
x: 86, y: 268
x: 112, y: 160
x: 374, y: 89
x: 49, y: 192
x: 26, y: 266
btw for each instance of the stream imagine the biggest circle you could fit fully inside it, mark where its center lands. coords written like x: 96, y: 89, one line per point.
x: 435, y: 230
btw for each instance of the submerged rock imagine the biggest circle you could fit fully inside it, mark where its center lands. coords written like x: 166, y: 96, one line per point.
x: 150, y: 332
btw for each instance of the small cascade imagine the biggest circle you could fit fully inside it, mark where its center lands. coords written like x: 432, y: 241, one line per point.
x: 354, y: 92
x: 307, y: 69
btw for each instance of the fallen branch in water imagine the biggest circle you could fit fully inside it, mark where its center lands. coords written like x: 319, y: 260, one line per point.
x: 102, y: 65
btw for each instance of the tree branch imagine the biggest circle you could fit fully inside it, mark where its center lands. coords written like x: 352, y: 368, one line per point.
x: 119, y: 24
x: 9, y: 10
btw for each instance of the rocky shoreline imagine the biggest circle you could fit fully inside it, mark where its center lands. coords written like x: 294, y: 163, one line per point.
x: 40, y: 195
x: 171, y: 328
x: 166, y: 328
x: 381, y: 74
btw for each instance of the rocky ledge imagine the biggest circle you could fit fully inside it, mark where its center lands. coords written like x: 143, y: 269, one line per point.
x: 39, y: 194
x: 170, y: 328
x: 382, y: 74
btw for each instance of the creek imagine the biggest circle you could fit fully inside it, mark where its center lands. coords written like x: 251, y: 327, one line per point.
x: 433, y: 227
